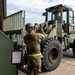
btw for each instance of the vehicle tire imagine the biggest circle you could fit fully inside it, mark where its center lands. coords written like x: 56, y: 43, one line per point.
x: 73, y: 49
x: 52, y: 54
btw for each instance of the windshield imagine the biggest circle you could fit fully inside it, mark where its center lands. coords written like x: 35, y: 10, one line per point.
x: 69, y: 20
x: 51, y: 16
x: 64, y: 19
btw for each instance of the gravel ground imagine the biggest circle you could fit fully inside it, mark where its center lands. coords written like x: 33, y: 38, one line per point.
x: 66, y: 67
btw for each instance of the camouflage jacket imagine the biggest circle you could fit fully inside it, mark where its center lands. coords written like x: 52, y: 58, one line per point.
x: 32, y: 41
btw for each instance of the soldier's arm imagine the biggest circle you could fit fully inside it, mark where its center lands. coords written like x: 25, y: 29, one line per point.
x: 41, y: 36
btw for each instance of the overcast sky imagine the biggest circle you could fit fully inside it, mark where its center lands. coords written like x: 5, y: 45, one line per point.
x: 35, y: 8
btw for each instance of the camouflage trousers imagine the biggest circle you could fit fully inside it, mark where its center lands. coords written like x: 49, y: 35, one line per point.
x: 34, y: 66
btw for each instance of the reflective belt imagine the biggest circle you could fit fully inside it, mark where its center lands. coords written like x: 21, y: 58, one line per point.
x: 35, y: 55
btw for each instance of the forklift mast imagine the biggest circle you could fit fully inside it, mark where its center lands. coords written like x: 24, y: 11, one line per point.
x: 3, y: 12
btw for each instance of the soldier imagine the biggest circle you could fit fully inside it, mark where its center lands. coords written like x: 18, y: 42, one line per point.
x: 32, y: 41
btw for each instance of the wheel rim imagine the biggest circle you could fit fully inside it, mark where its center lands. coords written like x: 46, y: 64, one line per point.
x: 53, y: 54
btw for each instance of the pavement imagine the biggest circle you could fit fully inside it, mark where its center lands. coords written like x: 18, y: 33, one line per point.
x: 66, y: 67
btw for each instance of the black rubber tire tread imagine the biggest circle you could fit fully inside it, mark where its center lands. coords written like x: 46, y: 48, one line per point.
x: 45, y: 48
x: 73, y: 49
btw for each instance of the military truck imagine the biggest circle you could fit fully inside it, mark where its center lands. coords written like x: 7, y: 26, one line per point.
x: 59, y: 31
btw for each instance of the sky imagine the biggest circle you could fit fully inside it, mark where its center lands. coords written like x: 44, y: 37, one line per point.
x: 34, y: 8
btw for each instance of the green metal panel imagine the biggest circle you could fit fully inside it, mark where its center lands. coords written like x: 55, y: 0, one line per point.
x: 6, y: 47
x: 59, y: 29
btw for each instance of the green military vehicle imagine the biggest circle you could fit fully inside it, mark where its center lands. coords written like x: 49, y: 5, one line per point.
x: 59, y: 30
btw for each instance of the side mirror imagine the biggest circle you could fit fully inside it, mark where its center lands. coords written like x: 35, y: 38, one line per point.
x: 44, y: 14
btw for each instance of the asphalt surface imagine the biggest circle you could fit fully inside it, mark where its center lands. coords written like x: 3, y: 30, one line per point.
x: 66, y: 67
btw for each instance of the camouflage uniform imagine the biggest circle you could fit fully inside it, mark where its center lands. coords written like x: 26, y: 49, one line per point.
x: 32, y: 41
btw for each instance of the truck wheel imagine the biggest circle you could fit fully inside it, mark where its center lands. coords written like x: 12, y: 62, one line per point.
x: 73, y: 49
x: 52, y: 54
